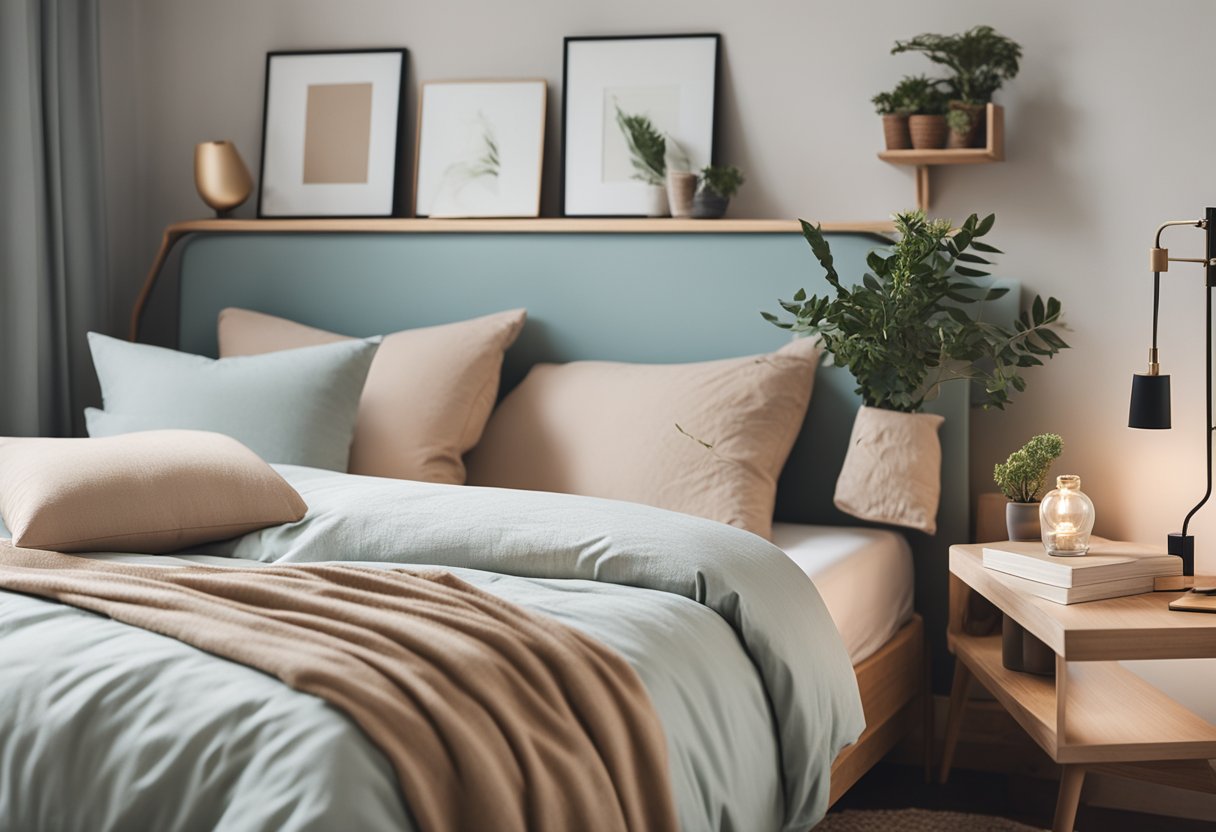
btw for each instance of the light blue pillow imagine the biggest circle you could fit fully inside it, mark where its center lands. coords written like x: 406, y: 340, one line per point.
x: 296, y: 406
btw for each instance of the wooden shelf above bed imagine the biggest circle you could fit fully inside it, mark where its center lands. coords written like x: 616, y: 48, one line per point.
x: 993, y: 151
x: 538, y: 225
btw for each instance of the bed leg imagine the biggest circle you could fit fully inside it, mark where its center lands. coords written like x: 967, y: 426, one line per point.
x: 954, y: 717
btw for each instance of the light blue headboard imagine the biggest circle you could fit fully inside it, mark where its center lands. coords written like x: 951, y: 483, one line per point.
x: 642, y: 297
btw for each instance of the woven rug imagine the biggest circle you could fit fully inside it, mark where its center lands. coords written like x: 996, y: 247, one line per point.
x: 916, y: 820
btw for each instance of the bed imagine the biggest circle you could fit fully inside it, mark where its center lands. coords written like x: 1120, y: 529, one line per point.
x: 680, y: 297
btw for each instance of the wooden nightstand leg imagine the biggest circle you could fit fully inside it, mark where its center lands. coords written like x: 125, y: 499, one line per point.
x: 1071, y: 780
x: 954, y: 717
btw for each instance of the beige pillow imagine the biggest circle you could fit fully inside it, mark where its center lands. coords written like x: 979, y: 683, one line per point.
x: 640, y: 432
x: 428, y: 394
x: 154, y: 491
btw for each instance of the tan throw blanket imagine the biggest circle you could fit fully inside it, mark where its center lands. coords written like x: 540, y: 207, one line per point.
x: 493, y: 717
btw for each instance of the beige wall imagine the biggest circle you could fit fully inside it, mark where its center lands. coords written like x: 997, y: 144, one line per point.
x: 1093, y: 163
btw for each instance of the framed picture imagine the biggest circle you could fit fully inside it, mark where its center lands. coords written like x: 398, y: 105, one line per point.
x: 669, y: 79
x: 331, y: 134
x: 480, y: 147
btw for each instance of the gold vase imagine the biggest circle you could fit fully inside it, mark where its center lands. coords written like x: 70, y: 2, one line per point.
x: 221, y: 177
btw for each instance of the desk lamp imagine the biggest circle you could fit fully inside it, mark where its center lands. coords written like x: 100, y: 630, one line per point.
x: 1150, y: 401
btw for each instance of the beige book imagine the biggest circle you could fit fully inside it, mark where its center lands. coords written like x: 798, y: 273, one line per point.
x: 1079, y: 594
x: 1106, y: 561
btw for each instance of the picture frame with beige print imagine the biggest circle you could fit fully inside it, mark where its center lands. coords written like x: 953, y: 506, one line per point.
x: 331, y: 134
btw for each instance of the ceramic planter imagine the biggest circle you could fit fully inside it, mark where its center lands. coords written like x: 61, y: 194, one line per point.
x: 928, y: 132
x: 1023, y: 652
x: 892, y: 469
x: 1022, y: 521
x: 681, y: 187
x: 895, y: 132
x: 707, y: 205
x: 656, y: 205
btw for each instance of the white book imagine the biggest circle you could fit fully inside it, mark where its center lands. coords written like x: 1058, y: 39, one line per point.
x: 1079, y: 594
x: 1106, y: 561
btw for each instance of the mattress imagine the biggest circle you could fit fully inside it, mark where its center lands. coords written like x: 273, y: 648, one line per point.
x: 864, y: 575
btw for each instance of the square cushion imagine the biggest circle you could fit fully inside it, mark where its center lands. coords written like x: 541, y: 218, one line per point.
x: 296, y: 407
x: 708, y: 439
x: 154, y: 491
x: 428, y: 395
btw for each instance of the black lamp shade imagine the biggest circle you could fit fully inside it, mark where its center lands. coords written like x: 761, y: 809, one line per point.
x: 1150, y: 407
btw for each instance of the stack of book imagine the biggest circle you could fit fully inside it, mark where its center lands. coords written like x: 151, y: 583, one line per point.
x: 1110, y: 570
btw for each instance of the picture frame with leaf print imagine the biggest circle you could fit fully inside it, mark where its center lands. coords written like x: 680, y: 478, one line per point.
x: 480, y: 148
x: 609, y: 83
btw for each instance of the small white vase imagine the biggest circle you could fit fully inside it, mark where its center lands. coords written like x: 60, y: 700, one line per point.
x: 681, y: 187
x: 892, y: 471
x: 656, y: 205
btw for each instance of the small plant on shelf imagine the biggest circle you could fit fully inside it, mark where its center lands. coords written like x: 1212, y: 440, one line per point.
x: 980, y: 59
x: 717, y: 184
x: 913, y: 94
x: 925, y: 102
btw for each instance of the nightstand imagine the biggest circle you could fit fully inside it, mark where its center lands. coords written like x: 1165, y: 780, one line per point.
x: 1095, y: 714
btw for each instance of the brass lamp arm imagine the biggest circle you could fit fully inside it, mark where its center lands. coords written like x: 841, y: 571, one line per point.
x: 1159, y: 258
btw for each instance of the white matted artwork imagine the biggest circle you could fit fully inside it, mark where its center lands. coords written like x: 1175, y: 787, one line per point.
x: 670, y: 79
x: 331, y: 133
x: 480, y: 147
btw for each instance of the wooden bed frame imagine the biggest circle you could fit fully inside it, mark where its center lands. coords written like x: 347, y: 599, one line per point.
x: 895, y: 695
x: 372, y: 276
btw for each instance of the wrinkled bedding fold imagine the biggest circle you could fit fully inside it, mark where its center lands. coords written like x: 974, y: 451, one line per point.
x: 492, y: 716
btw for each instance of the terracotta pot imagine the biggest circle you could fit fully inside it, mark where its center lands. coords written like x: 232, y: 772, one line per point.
x: 1022, y: 521
x: 928, y: 132
x: 707, y: 205
x: 895, y: 132
x: 681, y: 186
x: 977, y: 136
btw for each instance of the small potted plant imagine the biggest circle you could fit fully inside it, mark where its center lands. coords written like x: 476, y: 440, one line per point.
x: 1021, y: 479
x: 894, y: 112
x: 902, y: 331
x: 648, y: 154
x: 718, y: 184
x: 923, y: 99
x: 981, y: 60
x: 681, y: 182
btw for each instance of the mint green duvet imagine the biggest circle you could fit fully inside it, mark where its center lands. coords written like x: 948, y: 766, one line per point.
x: 107, y: 727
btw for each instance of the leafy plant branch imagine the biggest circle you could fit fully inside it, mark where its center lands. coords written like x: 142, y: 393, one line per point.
x: 905, y: 329
x: 647, y: 147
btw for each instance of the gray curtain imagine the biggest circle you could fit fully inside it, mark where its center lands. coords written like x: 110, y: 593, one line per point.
x: 53, y: 286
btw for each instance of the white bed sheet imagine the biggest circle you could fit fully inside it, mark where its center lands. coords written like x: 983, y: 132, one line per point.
x: 864, y: 575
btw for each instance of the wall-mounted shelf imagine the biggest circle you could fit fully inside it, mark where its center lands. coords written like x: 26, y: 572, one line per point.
x: 537, y: 225
x: 993, y: 151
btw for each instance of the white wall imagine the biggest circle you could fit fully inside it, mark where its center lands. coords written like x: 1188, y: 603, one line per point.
x: 1107, y: 128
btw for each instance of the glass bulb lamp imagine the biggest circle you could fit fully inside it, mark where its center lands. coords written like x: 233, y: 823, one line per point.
x: 1066, y: 516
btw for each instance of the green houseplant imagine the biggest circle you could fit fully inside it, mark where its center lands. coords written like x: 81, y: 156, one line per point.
x: 1022, y: 478
x: 902, y: 332
x: 926, y: 104
x: 896, y: 105
x: 980, y: 60
x: 717, y: 184
x: 648, y: 155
